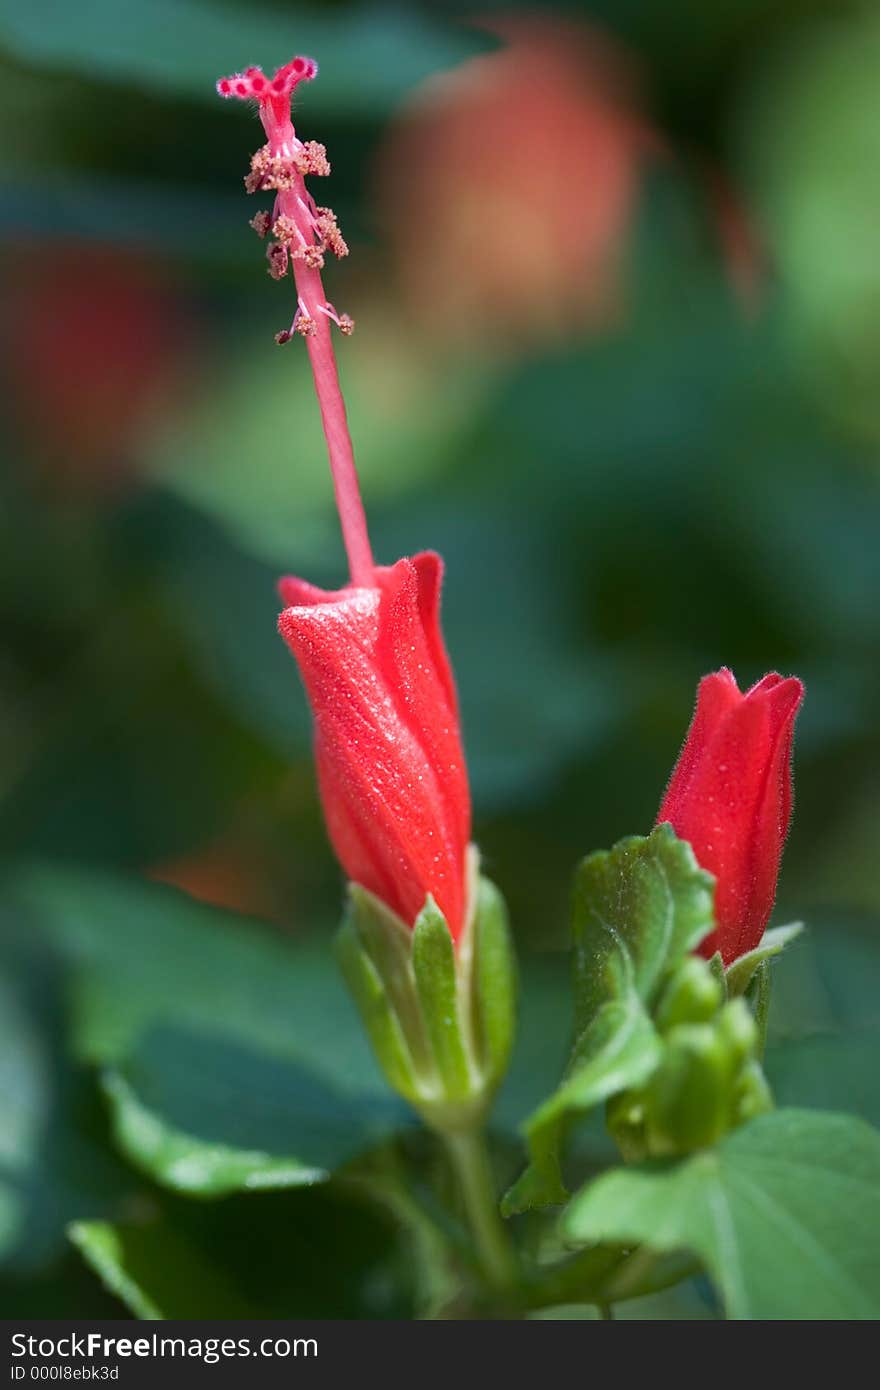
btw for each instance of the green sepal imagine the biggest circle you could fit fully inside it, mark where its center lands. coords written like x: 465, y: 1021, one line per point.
x: 440, y: 1015
x: 687, y: 1106
x: 379, y: 1018
x: 737, y: 1031
x: 753, y: 1096
x: 387, y: 940
x: 439, y: 996
x: 739, y: 973
x: 716, y: 965
x: 694, y: 994
x: 758, y: 997
x: 494, y: 983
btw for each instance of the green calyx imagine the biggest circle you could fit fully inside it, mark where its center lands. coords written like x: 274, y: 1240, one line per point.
x: 708, y: 1077
x: 440, y: 1016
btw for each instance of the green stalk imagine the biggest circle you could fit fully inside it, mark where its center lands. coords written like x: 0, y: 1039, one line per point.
x: 469, y: 1156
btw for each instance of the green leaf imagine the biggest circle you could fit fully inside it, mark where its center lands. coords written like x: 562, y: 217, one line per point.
x: 187, y: 1163
x: 240, y: 1060
x: 638, y: 908
x: 773, y: 942
x: 683, y: 1303
x: 24, y: 1086
x: 156, y: 1272
x: 784, y: 1213
x: 203, y: 1113
x: 368, y: 61
x: 437, y: 985
x: 241, y: 1258
x: 54, y: 1159
x: 494, y: 982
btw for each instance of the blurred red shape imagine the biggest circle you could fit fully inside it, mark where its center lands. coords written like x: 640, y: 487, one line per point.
x: 509, y: 185
x: 96, y: 338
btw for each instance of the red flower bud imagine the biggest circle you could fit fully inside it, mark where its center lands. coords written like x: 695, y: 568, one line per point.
x: 391, y: 770
x: 730, y: 795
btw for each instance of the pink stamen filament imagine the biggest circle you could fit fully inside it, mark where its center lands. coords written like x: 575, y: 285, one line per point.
x: 294, y: 202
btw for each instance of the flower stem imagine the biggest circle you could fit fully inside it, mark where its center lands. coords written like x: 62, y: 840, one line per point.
x: 470, y: 1159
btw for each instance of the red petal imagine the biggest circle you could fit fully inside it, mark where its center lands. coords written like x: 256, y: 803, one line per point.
x: 429, y: 568
x: 717, y: 694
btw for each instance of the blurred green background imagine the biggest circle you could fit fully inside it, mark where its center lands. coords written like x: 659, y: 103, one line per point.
x: 615, y: 276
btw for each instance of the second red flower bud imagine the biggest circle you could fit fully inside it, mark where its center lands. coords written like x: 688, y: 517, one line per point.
x: 730, y: 796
